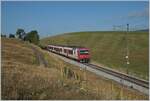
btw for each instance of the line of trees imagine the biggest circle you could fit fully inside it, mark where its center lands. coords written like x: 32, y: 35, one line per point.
x: 3, y: 35
x: 31, y: 36
x: 10, y: 35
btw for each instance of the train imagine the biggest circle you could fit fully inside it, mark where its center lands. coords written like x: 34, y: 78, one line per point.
x: 78, y: 53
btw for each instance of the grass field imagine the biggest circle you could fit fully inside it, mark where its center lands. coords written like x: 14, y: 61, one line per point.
x: 109, y: 49
x: 23, y: 78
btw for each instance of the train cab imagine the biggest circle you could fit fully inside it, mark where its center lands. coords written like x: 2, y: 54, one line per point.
x: 83, y: 55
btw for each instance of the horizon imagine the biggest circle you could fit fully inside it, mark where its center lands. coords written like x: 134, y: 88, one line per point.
x: 51, y: 18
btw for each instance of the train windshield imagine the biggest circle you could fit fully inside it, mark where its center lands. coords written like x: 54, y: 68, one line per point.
x: 84, y: 52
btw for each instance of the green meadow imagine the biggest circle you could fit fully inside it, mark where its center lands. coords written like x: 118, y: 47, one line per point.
x: 109, y: 49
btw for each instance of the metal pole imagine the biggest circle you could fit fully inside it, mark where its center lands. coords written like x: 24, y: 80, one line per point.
x: 127, y: 27
x: 127, y: 49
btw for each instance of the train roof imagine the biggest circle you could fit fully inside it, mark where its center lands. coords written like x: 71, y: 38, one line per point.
x: 71, y: 46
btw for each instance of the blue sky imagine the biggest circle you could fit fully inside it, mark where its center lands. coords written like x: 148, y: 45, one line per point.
x: 50, y: 18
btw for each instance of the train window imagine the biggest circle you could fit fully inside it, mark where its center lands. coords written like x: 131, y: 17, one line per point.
x: 70, y: 52
x: 50, y: 47
x: 65, y: 51
x: 60, y: 50
x: 56, y: 49
x: 84, y: 52
x: 73, y: 51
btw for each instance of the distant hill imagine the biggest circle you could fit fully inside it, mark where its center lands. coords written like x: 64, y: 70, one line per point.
x: 109, y: 48
x: 143, y: 30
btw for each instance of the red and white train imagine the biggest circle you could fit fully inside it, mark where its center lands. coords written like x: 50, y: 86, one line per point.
x: 80, y: 54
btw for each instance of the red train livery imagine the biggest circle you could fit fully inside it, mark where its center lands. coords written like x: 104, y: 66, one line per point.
x: 80, y: 54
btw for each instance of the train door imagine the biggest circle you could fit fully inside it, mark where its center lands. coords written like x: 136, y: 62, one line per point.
x: 74, y: 53
x: 67, y: 52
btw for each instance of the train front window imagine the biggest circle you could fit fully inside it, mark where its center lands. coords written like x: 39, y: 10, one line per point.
x: 84, y: 52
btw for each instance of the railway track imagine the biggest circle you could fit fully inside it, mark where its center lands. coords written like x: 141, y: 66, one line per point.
x: 134, y: 80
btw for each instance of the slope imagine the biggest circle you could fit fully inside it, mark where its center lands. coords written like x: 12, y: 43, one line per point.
x: 109, y: 49
x: 24, y: 78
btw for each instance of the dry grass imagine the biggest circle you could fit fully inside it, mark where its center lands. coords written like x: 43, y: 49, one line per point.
x: 25, y: 82
x: 16, y: 50
x: 22, y: 78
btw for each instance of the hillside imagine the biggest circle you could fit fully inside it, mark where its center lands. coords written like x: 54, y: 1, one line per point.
x: 109, y: 49
x: 22, y: 77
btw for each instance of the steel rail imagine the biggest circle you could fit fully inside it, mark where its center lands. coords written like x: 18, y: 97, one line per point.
x: 139, y: 82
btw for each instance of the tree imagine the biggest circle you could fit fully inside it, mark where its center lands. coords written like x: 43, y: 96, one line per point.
x: 11, y: 36
x: 32, y: 37
x: 3, y: 35
x: 20, y: 33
